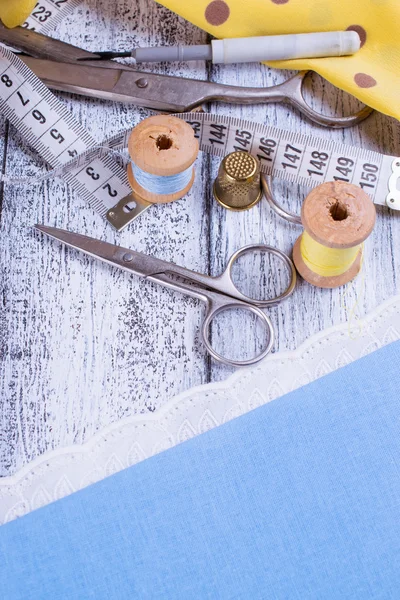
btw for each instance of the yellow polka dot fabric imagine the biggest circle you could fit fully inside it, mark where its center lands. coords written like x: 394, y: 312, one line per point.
x: 14, y: 12
x: 372, y: 75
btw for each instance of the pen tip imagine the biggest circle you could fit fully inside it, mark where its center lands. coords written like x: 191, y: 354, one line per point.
x: 87, y: 58
x: 106, y: 56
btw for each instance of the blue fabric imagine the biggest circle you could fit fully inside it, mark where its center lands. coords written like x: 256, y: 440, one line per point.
x: 299, y: 499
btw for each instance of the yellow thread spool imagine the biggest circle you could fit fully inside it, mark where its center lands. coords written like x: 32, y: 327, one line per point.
x: 337, y: 217
x: 162, y: 146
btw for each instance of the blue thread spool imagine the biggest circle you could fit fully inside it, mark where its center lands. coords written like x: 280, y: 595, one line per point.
x: 162, y: 149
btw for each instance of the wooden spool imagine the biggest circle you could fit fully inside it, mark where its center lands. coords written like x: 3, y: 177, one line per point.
x: 162, y: 145
x: 337, y: 215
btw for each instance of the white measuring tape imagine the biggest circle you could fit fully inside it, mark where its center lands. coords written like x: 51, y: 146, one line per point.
x: 48, y: 126
x: 48, y: 13
x: 298, y: 158
x: 74, y: 155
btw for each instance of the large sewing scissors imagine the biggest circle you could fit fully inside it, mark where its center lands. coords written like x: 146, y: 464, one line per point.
x: 220, y: 294
x: 58, y: 65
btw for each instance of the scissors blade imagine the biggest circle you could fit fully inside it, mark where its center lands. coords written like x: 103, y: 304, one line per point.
x: 123, y: 258
x: 120, y: 83
x: 123, y: 84
x: 41, y: 46
x: 96, y: 82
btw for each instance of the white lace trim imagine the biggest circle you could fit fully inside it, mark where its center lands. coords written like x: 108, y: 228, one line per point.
x: 60, y: 472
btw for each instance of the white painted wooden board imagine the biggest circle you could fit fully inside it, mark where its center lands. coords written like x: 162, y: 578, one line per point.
x: 81, y: 344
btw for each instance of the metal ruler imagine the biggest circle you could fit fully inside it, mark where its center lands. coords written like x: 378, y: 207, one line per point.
x: 72, y: 152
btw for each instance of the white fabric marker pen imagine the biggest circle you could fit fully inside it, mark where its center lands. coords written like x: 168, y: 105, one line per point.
x: 257, y: 49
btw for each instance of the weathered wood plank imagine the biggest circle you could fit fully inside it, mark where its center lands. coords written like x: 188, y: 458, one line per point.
x: 84, y: 344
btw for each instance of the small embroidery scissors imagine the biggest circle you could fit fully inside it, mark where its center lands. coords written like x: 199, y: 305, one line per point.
x: 220, y: 294
x: 60, y: 67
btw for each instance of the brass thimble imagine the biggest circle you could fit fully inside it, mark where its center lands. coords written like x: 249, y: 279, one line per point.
x: 238, y: 186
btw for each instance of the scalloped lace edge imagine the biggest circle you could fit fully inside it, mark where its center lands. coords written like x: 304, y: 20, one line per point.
x: 50, y: 461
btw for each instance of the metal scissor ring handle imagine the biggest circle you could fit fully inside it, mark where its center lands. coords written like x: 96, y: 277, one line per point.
x: 205, y: 331
x: 296, y: 97
x: 266, y: 182
x: 268, y: 250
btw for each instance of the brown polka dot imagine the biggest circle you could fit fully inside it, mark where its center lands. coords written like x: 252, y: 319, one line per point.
x: 361, y: 32
x: 279, y: 1
x: 217, y: 12
x: 364, y: 81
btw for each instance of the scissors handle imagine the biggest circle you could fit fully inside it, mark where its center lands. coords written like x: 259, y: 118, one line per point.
x: 218, y: 303
x: 220, y: 294
x: 160, y: 271
x: 232, y: 298
x: 225, y: 283
x: 291, y: 91
x: 222, y: 304
x: 181, y: 95
x: 266, y: 182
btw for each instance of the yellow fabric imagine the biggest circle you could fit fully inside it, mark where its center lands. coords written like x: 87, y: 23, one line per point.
x: 372, y: 75
x: 14, y: 12
x: 327, y: 262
